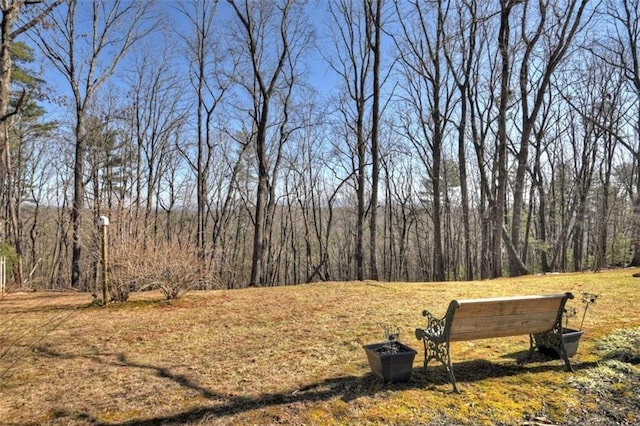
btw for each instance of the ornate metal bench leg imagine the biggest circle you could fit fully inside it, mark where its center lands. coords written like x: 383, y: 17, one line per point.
x: 565, y: 358
x: 420, y: 335
x: 554, y: 340
x: 426, y: 357
x: 446, y: 360
x: 532, y: 346
x: 440, y: 352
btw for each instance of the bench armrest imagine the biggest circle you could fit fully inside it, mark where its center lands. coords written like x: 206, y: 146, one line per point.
x: 434, y: 330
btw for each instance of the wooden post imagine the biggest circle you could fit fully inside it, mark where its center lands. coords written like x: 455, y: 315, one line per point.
x: 104, y: 223
x: 3, y: 274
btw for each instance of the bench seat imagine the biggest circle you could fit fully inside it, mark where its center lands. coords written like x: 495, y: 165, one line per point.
x: 473, y: 319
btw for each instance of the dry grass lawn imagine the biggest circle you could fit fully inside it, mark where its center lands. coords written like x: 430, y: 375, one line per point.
x: 293, y: 355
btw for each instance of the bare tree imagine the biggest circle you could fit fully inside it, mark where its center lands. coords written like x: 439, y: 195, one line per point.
x: 157, y: 113
x: 543, y: 139
x: 483, y: 96
x: 275, y: 37
x: 429, y: 94
x: 400, y: 217
x: 551, y: 27
x: 210, y: 81
x: 610, y: 119
x: 460, y: 55
x: 86, y: 57
x: 373, y: 12
x: 624, y: 46
x: 353, y: 63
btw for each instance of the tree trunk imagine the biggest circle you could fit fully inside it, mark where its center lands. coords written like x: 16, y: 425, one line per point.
x: 497, y: 207
x: 537, y: 182
x: 360, y: 183
x: 257, y: 260
x: 9, y: 14
x: 375, y: 19
x: 635, y: 261
x: 78, y: 197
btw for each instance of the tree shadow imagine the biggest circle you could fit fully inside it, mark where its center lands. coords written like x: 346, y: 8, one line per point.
x: 348, y: 388
x: 16, y: 339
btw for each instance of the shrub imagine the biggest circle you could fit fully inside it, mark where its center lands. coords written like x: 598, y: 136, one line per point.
x: 175, y: 270
x: 135, y: 266
x: 127, y: 268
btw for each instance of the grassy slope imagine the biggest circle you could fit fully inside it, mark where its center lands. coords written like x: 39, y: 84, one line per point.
x: 288, y: 355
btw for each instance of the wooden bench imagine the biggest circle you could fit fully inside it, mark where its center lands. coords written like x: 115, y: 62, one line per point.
x: 474, y: 319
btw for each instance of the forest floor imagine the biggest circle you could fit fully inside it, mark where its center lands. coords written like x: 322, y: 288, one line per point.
x: 293, y: 355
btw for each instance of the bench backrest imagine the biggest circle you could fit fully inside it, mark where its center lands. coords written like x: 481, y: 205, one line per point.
x: 473, y: 319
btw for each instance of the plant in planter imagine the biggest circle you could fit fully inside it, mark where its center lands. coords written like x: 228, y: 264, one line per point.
x: 390, y: 360
x: 549, y: 344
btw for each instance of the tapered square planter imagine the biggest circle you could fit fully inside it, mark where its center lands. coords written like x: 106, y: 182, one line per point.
x: 390, y: 365
x: 549, y: 343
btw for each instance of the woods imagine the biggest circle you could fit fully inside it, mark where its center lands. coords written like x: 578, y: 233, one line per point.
x: 272, y: 143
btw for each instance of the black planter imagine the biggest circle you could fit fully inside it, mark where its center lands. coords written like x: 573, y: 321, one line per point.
x: 391, y: 366
x: 548, y: 343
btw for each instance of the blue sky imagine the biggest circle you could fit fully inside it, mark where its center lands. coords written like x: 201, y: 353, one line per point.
x: 320, y: 76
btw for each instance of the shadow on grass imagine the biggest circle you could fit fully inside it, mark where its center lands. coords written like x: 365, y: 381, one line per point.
x: 16, y: 340
x: 523, y: 357
x: 467, y: 372
x: 347, y: 388
x: 39, y: 304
